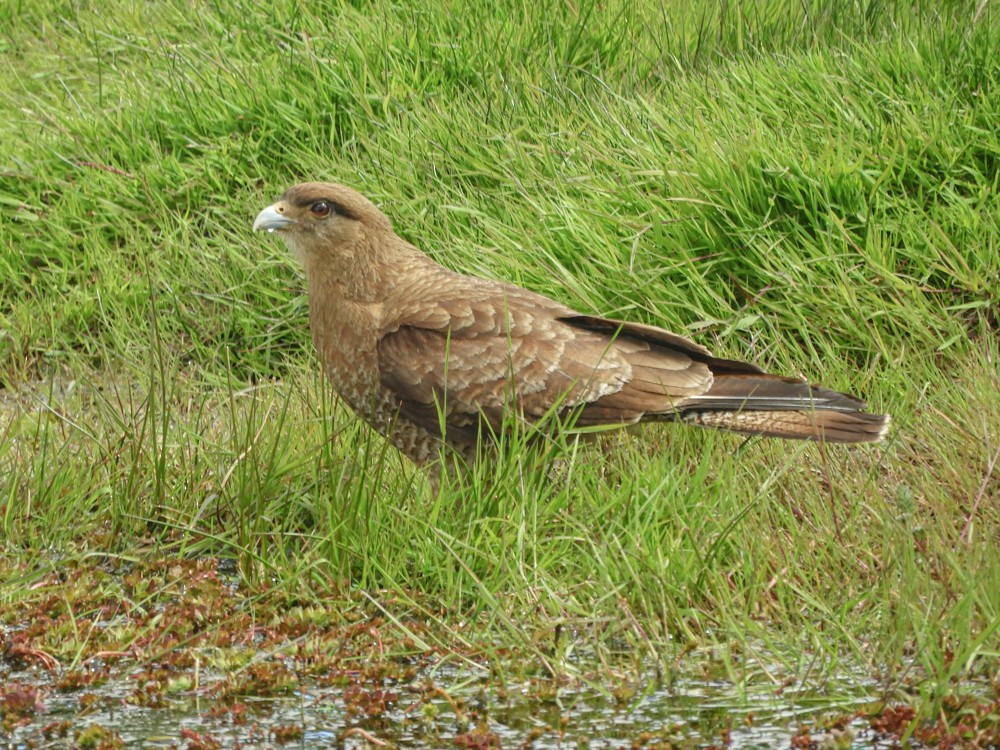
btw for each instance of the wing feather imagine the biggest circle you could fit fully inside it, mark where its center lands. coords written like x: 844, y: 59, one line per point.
x: 479, y: 350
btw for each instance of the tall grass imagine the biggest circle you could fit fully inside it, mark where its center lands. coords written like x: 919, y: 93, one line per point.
x: 811, y: 186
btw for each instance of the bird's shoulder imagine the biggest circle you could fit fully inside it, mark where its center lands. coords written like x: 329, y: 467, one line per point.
x: 437, y: 299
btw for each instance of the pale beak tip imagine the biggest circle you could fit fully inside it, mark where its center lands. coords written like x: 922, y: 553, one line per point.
x: 270, y: 219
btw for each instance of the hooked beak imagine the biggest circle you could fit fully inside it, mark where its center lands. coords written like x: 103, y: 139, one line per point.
x: 271, y: 219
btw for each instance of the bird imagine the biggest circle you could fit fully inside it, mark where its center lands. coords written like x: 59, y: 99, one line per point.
x: 439, y: 362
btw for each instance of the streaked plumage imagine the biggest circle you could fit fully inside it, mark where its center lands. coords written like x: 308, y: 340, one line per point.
x: 404, y: 339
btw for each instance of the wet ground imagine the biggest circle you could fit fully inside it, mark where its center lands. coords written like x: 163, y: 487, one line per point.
x: 173, y: 654
x: 686, y: 716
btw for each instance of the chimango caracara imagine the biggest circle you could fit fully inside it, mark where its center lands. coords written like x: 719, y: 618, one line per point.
x: 426, y: 355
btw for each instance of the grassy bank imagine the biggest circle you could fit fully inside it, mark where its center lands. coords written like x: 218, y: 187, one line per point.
x: 811, y: 189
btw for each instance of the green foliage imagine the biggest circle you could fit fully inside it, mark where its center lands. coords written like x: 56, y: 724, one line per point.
x: 809, y: 185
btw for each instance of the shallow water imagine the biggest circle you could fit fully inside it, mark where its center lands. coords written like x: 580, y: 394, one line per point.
x: 199, y: 666
x: 690, y: 713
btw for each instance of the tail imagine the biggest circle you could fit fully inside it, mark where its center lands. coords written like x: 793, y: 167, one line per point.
x: 774, y: 406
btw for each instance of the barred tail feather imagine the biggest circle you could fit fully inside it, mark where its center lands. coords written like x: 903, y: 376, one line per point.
x: 828, y: 426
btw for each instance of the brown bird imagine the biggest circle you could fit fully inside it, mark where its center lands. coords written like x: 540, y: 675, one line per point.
x: 430, y: 357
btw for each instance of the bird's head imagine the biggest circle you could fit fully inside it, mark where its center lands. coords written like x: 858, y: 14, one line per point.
x: 323, y: 221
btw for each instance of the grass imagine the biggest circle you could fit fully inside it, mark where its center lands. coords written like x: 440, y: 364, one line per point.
x: 811, y: 186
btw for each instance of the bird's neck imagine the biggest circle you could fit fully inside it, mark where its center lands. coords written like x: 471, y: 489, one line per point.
x: 362, y: 274
x: 349, y: 300
x: 333, y: 284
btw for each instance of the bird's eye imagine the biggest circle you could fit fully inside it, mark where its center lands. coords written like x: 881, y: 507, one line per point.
x: 320, y: 208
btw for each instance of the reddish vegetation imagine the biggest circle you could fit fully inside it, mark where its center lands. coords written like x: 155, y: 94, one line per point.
x: 176, y: 629
x: 961, y: 724
x: 197, y: 741
x: 18, y: 704
x: 894, y: 720
x: 287, y: 733
x: 181, y: 635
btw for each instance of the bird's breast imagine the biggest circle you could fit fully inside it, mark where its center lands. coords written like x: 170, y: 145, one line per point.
x: 345, y: 334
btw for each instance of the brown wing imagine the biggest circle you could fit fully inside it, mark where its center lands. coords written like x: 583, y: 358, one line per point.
x: 478, y: 352
x: 660, y: 340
